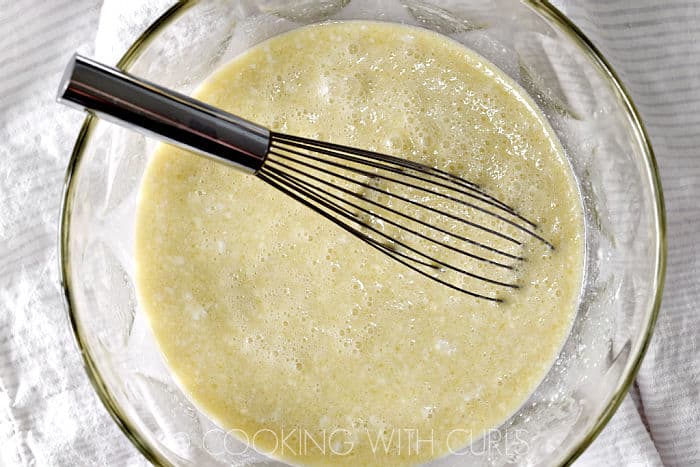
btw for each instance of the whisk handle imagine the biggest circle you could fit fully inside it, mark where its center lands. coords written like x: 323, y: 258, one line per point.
x: 163, y: 113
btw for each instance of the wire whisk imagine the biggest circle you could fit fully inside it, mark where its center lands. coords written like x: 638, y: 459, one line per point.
x: 433, y: 222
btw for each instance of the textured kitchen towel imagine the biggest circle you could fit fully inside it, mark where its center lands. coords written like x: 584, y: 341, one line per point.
x: 49, y: 414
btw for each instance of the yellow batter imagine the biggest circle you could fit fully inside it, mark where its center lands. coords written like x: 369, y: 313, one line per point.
x: 280, y: 324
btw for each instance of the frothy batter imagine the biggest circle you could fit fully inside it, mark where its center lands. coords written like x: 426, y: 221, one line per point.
x: 272, y: 318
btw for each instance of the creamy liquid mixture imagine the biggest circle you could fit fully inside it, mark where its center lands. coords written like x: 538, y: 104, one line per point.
x: 278, y: 323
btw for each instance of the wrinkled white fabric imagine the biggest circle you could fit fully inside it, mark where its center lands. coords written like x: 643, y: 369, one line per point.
x: 49, y: 414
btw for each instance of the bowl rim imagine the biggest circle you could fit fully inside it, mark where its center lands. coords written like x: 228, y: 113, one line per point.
x: 542, y: 7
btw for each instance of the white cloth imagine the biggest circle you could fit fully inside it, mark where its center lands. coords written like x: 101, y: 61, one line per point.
x: 49, y: 414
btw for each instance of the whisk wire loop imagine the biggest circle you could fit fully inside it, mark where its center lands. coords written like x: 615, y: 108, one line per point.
x: 413, y: 213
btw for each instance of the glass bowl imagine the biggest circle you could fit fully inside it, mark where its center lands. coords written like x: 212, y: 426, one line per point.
x: 530, y: 41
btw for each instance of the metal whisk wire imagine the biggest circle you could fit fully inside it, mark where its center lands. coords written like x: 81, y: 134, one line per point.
x: 433, y: 222
x: 297, y: 167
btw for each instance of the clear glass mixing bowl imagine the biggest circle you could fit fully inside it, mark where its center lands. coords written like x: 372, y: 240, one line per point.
x: 529, y: 40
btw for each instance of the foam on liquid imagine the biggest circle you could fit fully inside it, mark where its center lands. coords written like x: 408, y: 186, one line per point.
x: 272, y: 318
